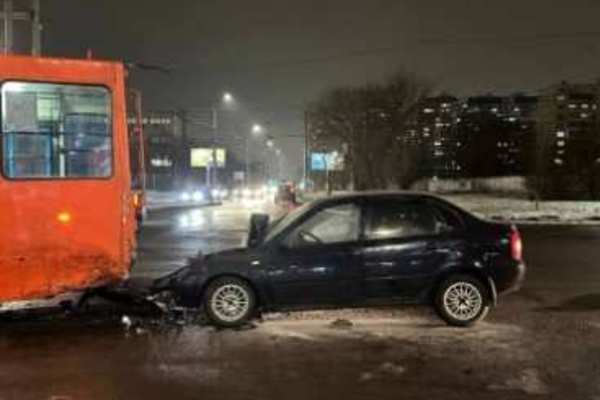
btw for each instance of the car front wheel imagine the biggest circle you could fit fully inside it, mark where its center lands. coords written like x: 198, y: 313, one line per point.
x: 229, y: 301
x: 462, y: 300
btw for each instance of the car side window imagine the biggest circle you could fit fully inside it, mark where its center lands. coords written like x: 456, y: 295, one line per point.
x: 336, y: 224
x: 449, y: 221
x: 396, y: 220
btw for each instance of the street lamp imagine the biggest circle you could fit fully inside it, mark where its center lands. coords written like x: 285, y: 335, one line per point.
x: 226, y: 99
x: 257, y: 129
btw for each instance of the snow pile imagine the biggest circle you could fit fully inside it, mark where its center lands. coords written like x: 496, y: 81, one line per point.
x: 518, y: 210
x: 502, y: 184
x: 526, y: 211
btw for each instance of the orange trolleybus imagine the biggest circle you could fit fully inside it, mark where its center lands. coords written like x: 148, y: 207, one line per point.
x: 67, y: 213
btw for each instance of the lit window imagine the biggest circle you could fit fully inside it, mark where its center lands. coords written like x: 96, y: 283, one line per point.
x: 560, y: 143
x: 558, y: 161
x: 428, y: 110
x: 585, y: 106
x: 560, y: 134
x: 437, y: 143
x: 584, y: 115
x: 572, y: 106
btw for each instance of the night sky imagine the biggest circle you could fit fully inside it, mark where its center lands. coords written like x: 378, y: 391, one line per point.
x: 275, y: 55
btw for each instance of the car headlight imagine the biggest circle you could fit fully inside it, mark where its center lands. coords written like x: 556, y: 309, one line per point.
x: 185, y: 196
x: 198, y: 196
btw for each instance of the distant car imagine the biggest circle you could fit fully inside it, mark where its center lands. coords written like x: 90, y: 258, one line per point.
x: 358, y: 250
x: 286, y: 193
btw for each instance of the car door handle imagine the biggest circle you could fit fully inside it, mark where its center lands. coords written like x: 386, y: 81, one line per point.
x: 433, y: 246
x: 387, y: 264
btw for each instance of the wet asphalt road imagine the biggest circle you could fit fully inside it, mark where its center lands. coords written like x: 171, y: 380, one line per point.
x: 539, y: 343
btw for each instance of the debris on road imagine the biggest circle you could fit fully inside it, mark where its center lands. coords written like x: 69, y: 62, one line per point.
x: 528, y: 382
x: 341, y: 324
x: 366, y: 376
x: 391, y: 368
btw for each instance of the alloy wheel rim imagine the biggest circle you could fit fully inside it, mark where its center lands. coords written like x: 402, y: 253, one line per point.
x: 463, y: 301
x: 230, y: 302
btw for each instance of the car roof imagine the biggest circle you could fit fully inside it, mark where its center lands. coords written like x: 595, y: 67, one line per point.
x: 399, y: 194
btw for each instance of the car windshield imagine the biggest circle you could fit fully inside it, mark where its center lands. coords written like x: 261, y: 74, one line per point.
x: 279, y: 225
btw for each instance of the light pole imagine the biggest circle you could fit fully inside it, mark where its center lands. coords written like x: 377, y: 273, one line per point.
x: 212, y: 168
x: 257, y: 130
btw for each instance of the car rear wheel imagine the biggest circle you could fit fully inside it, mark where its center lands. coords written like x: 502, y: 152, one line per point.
x: 462, y: 300
x: 229, y: 302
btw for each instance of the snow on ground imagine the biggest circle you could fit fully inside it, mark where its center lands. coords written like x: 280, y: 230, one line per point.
x: 526, y: 211
x: 518, y: 210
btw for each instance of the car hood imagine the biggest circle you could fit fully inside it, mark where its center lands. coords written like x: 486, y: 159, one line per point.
x: 232, y: 260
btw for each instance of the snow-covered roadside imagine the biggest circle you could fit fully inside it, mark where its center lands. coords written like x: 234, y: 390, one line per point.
x: 527, y: 212
x: 517, y: 210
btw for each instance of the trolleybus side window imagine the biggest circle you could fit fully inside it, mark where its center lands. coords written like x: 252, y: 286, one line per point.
x: 56, y: 131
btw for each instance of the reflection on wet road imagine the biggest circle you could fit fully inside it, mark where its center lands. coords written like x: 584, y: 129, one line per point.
x: 171, y: 236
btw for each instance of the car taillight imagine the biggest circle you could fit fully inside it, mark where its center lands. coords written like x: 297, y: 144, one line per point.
x: 516, y: 245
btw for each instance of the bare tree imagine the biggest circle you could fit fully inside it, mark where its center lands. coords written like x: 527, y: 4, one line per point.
x: 369, y: 122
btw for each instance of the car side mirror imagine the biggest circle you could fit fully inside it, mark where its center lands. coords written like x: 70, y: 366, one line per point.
x: 259, y: 224
x: 307, y: 237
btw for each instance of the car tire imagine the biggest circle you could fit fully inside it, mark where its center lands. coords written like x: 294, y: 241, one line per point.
x: 462, y: 300
x: 229, y: 302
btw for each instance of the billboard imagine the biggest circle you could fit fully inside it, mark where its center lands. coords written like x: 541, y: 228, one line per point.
x: 201, y: 157
x: 332, y: 161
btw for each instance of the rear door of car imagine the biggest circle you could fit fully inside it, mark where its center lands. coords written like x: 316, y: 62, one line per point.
x: 317, y: 262
x: 408, y: 241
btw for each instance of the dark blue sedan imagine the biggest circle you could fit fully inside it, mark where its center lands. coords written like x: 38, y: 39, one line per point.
x: 365, y: 249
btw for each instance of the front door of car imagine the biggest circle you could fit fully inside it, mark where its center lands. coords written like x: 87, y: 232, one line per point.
x: 317, y: 261
x: 406, y: 244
